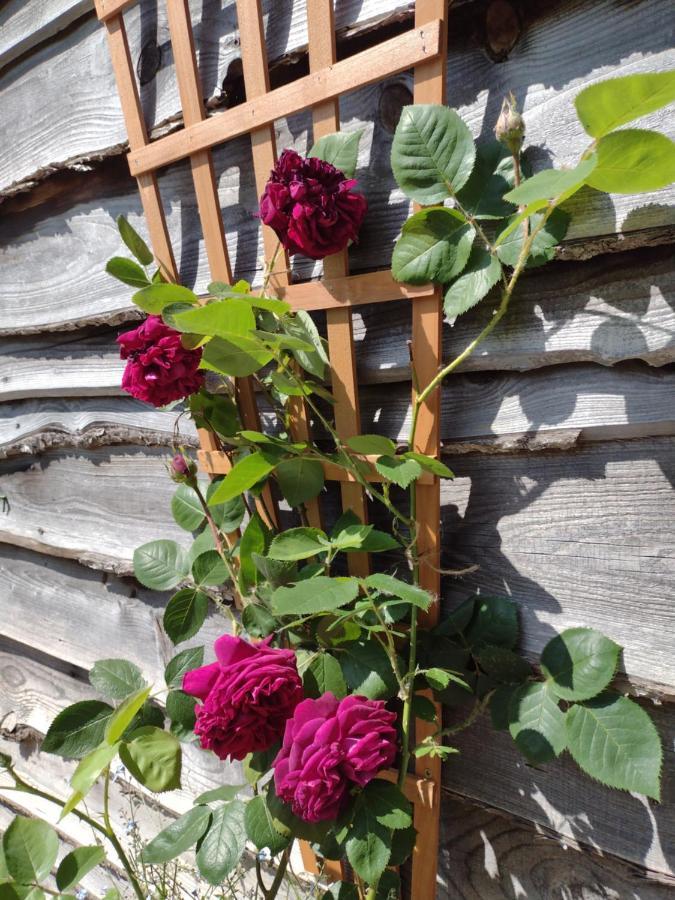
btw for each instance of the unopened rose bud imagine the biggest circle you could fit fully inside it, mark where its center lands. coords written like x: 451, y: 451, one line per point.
x: 510, y: 127
x: 181, y: 468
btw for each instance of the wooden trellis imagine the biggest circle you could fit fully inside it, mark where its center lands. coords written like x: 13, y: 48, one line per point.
x: 422, y: 48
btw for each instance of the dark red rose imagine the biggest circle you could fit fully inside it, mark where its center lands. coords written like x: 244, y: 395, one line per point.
x: 159, y: 368
x: 311, y: 206
x: 247, y: 696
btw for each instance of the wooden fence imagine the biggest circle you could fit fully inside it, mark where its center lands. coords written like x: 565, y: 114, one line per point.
x: 559, y: 430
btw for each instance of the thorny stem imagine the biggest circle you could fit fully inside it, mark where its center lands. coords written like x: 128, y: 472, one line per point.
x: 269, y: 893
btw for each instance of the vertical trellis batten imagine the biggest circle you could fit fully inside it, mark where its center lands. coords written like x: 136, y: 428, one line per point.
x: 263, y: 147
x: 326, y: 120
x: 337, y: 293
x: 429, y: 87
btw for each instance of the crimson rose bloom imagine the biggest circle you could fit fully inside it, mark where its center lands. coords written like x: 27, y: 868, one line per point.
x: 311, y: 206
x: 330, y: 745
x: 159, y: 368
x: 247, y: 696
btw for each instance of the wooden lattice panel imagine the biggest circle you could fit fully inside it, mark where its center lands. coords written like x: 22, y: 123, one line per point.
x: 422, y: 48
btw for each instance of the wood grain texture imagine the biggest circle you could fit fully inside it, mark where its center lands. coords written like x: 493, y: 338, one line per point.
x: 558, y: 797
x: 24, y: 25
x: 488, y: 856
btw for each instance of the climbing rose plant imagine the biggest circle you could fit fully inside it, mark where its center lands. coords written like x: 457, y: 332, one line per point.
x: 316, y: 684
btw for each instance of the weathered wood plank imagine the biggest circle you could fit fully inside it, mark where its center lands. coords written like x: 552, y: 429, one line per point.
x: 58, y: 296
x: 23, y: 25
x: 489, y: 769
x: 90, y: 123
x: 584, y: 537
x: 488, y: 856
x: 572, y: 536
x: 552, y: 407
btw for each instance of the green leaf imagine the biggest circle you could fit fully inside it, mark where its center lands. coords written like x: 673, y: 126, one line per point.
x: 76, y: 864
x: 221, y: 318
x: 124, y: 714
x: 258, y: 622
x: 260, y: 827
x: 186, y: 508
x: 434, y: 246
x: 220, y: 289
x: 368, y: 845
x: 177, y: 837
x: 552, y: 183
x: 320, y: 673
x: 298, y: 543
x: 185, y: 614
x: 13, y: 891
x: 503, y: 665
x: 287, y: 823
x: 633, y: 161
x: 302, y: 326
x: 160, y: 565
x: 491, y: 178
x: 536, y: 722
x: 604, y: 106
x: 235, y: 354
x: 77, y: 729
x: 387, y: 584
x: 432, y: 153
x: 402, y: 845
x: 341, y: 890
x: 423, y: 708
x: 224, y: 792
x: 275, y: 571
x: 364, y: 538
x: 387, y: 804
x: 482, y: 273
x: 253, y: 541
x: 320, y: 594
x: 579, y: 663
x: 154, y: 298
x: 228, y: 516
x: 340, y: 149
x: 223, y: 844
x: 429, y: 464
x: 378, y: 542
x: 183, y: 662
x: 247, y: 471
x: 398, y: 469
x: 180, y: 708
x: 544, y: 244
x: 127, y: 271
x: 257, y: 764
x: 209, y: 569
x: 372, y: 444
x: 500, y: 703
x: 367, y: 670
x: 30, y: 847
x: 615, y: 741
x: 300, y: 479
x: 116, y: 678
x: 87, y: 772
x: 495, y: 621
x: 153, y: 757
x: 134, y: 242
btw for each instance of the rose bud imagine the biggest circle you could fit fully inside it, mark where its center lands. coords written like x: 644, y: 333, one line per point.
x: 181, y: 468
x: 329, y: 746
x: 510, y: 127
x: 159, y: 368
x: 311, y: 206
x: 247, y: 696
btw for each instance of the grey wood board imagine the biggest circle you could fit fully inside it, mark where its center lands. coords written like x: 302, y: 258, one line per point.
x: 572, y: 537
x: 90, y: 122
x: 59, y: 296
x: 23, y: 25
x: 582, y: 537
x: 551, y: 407
x: 487, y: 856
x: 560, y: 798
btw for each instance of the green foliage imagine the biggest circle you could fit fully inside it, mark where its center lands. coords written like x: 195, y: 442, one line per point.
x: 410, y: 593
x: 235, y: 354
x: 177, y: 837
x: 368, y: 844
x: 30, y: 848
x: 253, y: 541
x: 183, y: 662
x: 77, y: 729
x: 247, y: 471
x: 186, y: 508
x: 321, y: 672
x: 434, y: 246
x: 221, y: 847
x: 134, y: 241
x: 116, y: 678
x: 340, y: 149
x: 398, y: 469
x: 633, y: 161
x: 537, y: 723
x: 220, y: 318
x: 156, y: 298
x: 127, y: 271
x: 318, y: 595
x: 604, y: 106
x: 153, y: 757
x: 185, y: 614
x: 180, y: 708
x: 553, y: 183
x: 492, y: 176
x: 160, y: 565
x: 614, y: 740
x: 367, y: 670
x: 494, y: 620
x: 260, y: 827
x: 300, y: 479
x: 298, y: 543
x: 481, y: 274
x: 387, y: 804
x: 209, y: 569
x: 432, y: 154
x: 301, y: 326
x: 579, y: 663
x: 544, y: 244
x: 124, y: 714
x: 375, y: 444
x: 76, y: 864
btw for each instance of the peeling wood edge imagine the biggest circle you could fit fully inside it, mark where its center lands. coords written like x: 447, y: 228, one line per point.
x: 91, y: 438
x: 548, y: 834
